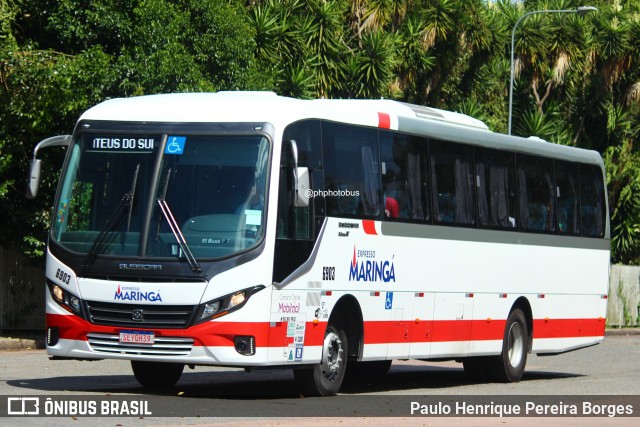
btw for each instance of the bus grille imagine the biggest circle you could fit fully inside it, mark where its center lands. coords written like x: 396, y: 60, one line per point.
x: 163, y: 346
x: 140, y: 316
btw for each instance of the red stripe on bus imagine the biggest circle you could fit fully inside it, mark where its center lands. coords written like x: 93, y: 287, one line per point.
x: 208, y: 334
x: 382, y: 332
x: 384, y: 121
x: 369, y: 226
x: 277, y: 334
x: 568, y: 328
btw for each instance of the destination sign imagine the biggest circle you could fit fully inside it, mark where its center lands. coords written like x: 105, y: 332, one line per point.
x: 122, y: 144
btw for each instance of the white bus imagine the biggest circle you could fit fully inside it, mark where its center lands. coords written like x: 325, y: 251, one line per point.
x: 328, y: 236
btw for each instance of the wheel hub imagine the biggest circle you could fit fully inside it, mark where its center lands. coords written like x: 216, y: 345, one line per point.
x: 332, y: 355
x: 515, y: 344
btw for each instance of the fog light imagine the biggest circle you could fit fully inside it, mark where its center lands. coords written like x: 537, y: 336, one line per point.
x: 245, y: 345
x: 53, y: 335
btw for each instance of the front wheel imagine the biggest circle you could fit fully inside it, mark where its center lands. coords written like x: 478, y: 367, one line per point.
x: 325, y: 379
x: 157, y: 374
x: 509, y: 365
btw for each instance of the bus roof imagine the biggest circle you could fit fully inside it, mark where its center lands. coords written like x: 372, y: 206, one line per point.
x: 261, y: 107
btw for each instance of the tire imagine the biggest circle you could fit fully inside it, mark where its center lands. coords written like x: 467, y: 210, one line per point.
x: 157, y: 374
x: 325, y: 378
x: 509, y: 365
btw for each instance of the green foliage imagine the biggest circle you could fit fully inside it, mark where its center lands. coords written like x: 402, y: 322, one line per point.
x: 577, y: 79
x: 297, y: 82
x: 623, y: 181
x: 59, y: 58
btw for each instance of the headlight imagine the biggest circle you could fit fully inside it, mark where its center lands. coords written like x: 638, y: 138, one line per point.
x: 65, y: 299
x: 238, y: 298
x: 224, y: 305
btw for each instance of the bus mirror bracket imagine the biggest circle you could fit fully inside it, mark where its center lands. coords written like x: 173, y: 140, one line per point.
x: 36, y: 164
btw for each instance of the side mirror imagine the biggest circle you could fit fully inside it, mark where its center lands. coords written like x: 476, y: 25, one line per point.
x: 301, y: 178
x: 302, y: 188
x: 35, y: 170
x: 34, y: 178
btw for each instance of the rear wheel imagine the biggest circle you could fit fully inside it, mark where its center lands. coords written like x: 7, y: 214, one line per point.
x: 157, y: 374
x: 325, y: 379
x: 509, y: 365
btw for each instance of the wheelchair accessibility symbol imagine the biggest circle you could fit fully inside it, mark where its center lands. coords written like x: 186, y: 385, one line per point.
x: 388, y: 301
x: 175, y: 145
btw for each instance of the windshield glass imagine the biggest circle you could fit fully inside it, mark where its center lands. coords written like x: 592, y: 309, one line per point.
x: 212, y: 186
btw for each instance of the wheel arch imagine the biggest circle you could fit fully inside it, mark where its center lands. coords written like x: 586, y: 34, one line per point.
x: 348, y: 313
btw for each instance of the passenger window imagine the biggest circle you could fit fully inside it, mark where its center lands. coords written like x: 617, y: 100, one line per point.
x: 592, y: 201
x: 536, y: 194
x: 352, y: 171
x: 452, y: 179
x: 405, y: 176
x: 568, y: 197
x: 496, y: 183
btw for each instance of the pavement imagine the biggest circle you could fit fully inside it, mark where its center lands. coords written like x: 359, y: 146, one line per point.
x: 34, y: 342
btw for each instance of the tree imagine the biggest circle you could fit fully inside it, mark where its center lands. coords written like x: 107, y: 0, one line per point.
x: 577, y: 81
x: 59, y: 58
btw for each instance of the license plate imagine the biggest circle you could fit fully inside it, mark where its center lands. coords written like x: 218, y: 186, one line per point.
x: 137, y: 337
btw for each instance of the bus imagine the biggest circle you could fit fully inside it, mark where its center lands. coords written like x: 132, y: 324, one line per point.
x: 246, y: 229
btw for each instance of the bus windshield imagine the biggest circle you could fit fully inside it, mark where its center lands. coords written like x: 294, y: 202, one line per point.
x: 160, y: 196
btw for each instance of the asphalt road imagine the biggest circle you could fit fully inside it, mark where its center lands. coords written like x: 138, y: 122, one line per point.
x: 612, y: 368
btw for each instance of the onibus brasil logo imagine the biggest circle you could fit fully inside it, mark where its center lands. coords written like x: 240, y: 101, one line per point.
x: 366, y: 268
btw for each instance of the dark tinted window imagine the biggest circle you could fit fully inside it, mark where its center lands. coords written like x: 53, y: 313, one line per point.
x: 568, y: 197
x: 405, y: 176
x: 536, y: 193
x: 352, y: 171
x: 592, y: 201
x: 496, y: 184
x: 452, y: 182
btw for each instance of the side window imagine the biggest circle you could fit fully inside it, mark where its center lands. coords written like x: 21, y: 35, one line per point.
x: 294, y: 222
x: 452, y: 183
x: 352, y: 171
x: 536, y: 194
x: 405, y: 176
x: 568, y: 197
x: 592, y: 201
x: 496, y: 183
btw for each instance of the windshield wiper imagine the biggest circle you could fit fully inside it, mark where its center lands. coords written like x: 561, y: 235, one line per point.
x: 133, y: 195
x: 177, y: 233
x: 104, y: 238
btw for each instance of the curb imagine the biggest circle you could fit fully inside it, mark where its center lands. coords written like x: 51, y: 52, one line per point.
x: 622, y: 332
x: 21, y: 344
